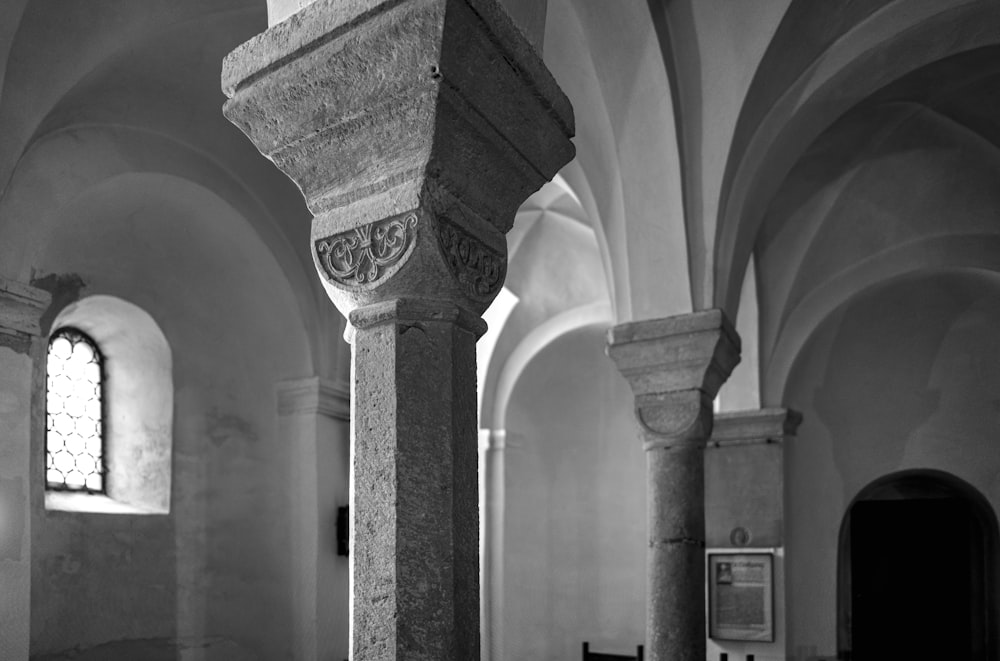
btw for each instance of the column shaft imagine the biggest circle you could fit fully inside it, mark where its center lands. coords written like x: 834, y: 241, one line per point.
x: 676, y: 556
x: 415, y: 577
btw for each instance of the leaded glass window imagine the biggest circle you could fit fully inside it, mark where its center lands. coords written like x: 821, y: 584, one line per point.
x: 74, y: 411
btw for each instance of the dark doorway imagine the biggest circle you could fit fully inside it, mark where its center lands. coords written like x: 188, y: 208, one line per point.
x: 918, y: 585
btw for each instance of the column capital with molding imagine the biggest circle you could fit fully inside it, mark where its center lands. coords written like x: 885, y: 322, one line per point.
x: 414, y: 128
x: 675, y: 367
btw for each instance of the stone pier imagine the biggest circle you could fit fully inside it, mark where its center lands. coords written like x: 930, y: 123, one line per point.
x: 415, y: 129
x: 22, y: 403
x: 675, y: 367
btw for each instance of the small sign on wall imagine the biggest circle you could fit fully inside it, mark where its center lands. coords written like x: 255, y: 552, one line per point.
x: 741, y: 596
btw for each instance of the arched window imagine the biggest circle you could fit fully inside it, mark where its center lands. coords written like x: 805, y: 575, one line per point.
x: 110, y: 399
x: 74, y: 412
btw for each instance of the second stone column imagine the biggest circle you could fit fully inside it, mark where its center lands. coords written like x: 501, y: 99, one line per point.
x: 675, y: 367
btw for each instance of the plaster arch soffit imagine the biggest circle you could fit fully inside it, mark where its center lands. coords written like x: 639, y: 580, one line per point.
x: 574, y: 180
x: 889, y: 44
x: 972, y: 252
x: 108, y: 50
x: 239, y: 195
x: 555, y: 200
x: 11, y: 12
x: 710, y: 52
x: 810, y: 227
x: 185, y: 232
x: 540, y: 337
x: 626, y: 146
x: 547, y: 197
x: 554, y: 222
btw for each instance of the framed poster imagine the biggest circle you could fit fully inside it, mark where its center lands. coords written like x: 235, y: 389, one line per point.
x: 741, y: 596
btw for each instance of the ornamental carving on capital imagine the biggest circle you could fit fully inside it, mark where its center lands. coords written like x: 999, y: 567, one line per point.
x: 362, y: 255
x: 479, y: 269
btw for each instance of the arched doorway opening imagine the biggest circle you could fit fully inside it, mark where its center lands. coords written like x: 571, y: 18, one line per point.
x: 917, y: 571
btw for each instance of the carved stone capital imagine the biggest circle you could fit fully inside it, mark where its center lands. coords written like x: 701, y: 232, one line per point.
x: 429, y: 252
x: 21, y: 307
x: 414, y: 128
x: 772, y: 425
x: 675, y: 367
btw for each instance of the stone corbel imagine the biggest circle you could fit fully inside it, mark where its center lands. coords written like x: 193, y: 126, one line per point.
x: 771, y: 425
x: 21, y: 308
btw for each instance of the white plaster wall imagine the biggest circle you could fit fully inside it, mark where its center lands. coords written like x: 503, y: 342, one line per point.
x: 574, y: 538
x: 319, y: 466
x: 876, y: 266
x: 212, y: 578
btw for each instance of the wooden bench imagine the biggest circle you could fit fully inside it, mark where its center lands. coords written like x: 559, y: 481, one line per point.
x: 597, y: 656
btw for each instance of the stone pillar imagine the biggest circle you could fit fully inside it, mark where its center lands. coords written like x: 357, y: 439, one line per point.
x: 744, y: 504
x: 415, y: 129
x: 675, y: 367
x: 22, y: 373
x: 744, y: 477
x: 313, y: 418
x: 492, y: 444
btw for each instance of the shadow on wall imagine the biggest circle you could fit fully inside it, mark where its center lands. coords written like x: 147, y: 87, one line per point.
x: 903, y: 377
x: 914, y: 366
